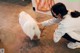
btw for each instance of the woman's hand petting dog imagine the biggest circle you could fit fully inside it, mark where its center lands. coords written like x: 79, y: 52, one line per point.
x: 42, y: 28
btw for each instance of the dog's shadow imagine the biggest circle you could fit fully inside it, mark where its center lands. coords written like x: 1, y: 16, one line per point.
x: 28, y: 44
x: 33, y: 43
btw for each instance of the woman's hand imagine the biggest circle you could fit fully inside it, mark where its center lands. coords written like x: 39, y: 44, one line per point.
x: 41, y: 28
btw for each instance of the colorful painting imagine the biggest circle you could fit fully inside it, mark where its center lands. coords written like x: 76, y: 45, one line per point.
x: 42, y: 6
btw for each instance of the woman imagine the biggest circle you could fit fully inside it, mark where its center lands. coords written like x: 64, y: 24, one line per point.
x: 68, y: 25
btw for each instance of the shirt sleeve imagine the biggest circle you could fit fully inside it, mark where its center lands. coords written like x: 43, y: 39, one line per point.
x: 50, y: 22
x: 59, y: 32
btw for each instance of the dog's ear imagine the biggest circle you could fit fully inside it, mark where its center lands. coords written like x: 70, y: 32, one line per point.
x: 75, y: 14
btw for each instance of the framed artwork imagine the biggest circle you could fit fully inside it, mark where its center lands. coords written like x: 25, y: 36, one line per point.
x: 42, y: 6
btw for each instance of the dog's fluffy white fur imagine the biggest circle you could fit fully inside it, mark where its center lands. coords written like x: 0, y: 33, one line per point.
x: 29, y: 25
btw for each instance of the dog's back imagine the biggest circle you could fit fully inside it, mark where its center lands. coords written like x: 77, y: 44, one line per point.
x: 28, y: 25
x: 24, y: 17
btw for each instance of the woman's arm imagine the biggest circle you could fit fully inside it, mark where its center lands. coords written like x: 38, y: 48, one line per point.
x: 50, y: 22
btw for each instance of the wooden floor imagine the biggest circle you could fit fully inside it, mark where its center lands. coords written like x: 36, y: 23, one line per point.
x: 13, y: 40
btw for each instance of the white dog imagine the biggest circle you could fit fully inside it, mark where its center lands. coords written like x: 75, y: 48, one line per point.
x: 29, y: 26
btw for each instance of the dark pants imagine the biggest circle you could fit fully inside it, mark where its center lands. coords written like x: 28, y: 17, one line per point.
x: 66, y: 36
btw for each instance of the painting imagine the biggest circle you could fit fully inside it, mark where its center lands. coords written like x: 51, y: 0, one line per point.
x: 42, y: 6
